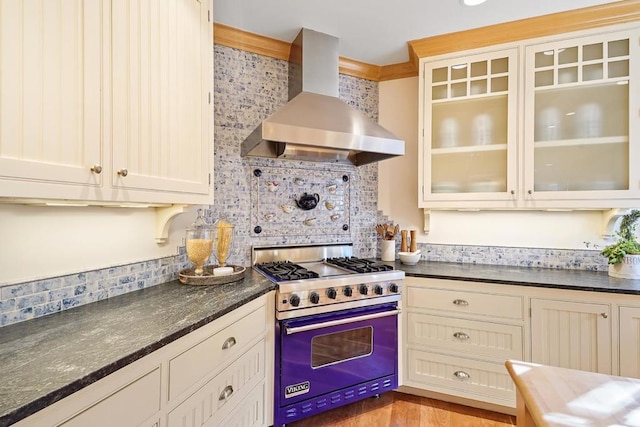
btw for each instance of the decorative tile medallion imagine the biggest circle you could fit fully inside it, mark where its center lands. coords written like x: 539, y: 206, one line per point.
x: 296, y: 202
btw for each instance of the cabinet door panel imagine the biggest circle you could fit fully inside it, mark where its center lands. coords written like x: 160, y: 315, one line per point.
x: 630, y: 342
x: 581, y: 121
x: 129, y: 406
x: 571, y: 335
x: 161, y: 56
x: 50, y: 100
x: 468, y: 147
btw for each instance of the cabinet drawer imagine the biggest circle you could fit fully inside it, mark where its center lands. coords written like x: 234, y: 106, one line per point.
x: 454, y: 301
x: 460, y: 376
x: 459, y: 335
x: 129, y: 406
x: 252, y: 411
x: 209, y: 355
x: 217, y: 398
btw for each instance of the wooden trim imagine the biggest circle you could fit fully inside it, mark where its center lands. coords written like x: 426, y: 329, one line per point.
x: 575, y: 20
x: 250, y: 42
x: 351, y: 67
x: 619, y: 12
x: 398, y: 71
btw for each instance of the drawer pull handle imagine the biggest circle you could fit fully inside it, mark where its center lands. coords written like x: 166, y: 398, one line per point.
x: 461, y: 336
x: 460, y: 302
x: 229, y: 342
x: 226, y: 393
x: 462, y: 375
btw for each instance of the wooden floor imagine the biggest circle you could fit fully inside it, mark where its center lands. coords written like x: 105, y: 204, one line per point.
x: 395, y: 409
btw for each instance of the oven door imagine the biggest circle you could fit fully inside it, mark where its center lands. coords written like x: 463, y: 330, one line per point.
x: 324, y: 353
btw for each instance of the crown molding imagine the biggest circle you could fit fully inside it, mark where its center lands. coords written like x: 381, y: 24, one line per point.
x: 618, y: 12
x: 563, y: 22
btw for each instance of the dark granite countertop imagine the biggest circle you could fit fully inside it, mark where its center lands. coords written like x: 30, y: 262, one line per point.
x: 582, y: 280
x: 46, y: 359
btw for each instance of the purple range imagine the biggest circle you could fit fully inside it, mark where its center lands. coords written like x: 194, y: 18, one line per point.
x: 336, y: 327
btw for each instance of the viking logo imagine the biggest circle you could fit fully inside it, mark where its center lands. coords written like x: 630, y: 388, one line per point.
x: 296, y: 389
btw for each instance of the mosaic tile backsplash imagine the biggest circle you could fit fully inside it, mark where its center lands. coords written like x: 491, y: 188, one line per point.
x: 248, y: 88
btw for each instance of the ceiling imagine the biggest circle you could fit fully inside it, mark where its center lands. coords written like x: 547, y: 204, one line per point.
x: 377, y: 31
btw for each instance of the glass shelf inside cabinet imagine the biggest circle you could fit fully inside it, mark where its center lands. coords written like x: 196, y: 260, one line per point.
x: 581, y: 123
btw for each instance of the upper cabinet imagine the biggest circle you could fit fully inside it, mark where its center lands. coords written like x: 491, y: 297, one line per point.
x: 107, y: 101
x: 50, y: 95
x: 548, y: 123
x: 577, y: 110
x: 469, y: 127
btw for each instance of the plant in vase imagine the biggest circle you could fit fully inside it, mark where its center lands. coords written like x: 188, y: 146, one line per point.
x: 623, y: 256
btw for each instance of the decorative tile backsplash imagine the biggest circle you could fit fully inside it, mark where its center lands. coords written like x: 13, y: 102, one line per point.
x: 570, y: 259
x: 27, y: 300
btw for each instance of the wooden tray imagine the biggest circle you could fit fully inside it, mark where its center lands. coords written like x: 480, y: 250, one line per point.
x: 188, y: 277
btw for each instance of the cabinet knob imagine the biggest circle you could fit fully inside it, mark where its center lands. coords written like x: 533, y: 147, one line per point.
x: 604, y: 315
x: 229, y: 342
x: 226, y: 393
x: 513, y: 192
x: 97, y: 169
x: 460, y: 302
x: 462, y: 375
x: 461, y: 336
x: 529, y: 191
x: 123, y: 172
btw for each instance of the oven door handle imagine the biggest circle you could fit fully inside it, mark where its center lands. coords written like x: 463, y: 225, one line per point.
x: 295, y: 330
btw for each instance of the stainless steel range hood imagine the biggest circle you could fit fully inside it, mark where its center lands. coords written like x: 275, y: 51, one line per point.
x: 315, y: 125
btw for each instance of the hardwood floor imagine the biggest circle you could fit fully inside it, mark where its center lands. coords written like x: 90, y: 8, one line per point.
x: 395, y: 409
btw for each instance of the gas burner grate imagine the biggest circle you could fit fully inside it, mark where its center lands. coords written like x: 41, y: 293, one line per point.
x: 282, y: 271
x: 359, y: 265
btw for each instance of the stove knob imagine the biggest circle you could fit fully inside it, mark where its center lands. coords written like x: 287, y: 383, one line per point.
x: 393, y: 288
x: 314, y: 298
x: 347, y: 291
x: 331, y: 293
x: 378, y: 290
x: 363, y: 289
x: 294, y: 300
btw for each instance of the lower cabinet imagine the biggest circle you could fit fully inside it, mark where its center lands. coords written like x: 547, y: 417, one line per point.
x: 629, y: 339
x: 457, y: 337
x: 571, y: 334
x: 219, y: 375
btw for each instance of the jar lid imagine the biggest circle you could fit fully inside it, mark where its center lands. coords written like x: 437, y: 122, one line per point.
x: 200, y: 222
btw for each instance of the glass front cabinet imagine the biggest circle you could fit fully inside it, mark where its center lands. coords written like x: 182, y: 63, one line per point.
x: 552, y: 124
x: 469, y: 128
x: 582, y: 102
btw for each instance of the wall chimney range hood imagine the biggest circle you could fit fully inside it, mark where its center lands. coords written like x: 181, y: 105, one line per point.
x: 315, y: 125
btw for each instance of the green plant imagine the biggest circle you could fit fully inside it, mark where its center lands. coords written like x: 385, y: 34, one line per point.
x: 627, y: 243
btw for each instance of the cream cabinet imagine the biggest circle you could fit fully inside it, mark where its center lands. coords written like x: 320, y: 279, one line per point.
x: 469, y: 125
x: 457, y: 336
x: 220, y: 374
x: 629, y: 338
x: 107, y: 101
x: 558, y: 127
x: 582, y: 99
x: 571, y: 334
x: 50, y: 95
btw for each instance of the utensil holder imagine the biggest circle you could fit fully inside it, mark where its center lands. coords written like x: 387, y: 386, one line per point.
x: 388, y: 250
